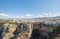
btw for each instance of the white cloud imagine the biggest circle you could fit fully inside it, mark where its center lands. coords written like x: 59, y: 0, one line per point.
x: 57, y: 14
x: 49, y: 14
x: 2, y: 14
x: 40, y: 15
x: 31, y: 15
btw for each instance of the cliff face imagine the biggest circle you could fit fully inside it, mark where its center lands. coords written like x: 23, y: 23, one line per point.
x: 7, y: 31
x: 25, y: 30
x: 15, y: 31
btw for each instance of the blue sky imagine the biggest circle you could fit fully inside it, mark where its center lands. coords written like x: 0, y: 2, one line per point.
x: 29, y: 7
